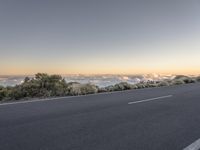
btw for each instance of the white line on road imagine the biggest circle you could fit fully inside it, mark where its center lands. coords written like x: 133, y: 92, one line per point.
x: 150, y: 99
x: 59, y: 98
x: 56, y: 98
x: 31, y: 101
x: 194, y: 146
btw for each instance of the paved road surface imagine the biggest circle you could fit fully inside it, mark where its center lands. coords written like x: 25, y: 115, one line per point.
x: 165, y: 118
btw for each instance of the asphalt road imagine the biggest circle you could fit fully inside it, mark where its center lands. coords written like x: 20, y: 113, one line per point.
x: 165, y: 118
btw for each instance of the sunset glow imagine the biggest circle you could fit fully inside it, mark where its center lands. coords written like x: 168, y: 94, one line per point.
x: 69, y: 37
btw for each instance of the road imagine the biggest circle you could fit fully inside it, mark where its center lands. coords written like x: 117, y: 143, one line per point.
x: 165, y: 118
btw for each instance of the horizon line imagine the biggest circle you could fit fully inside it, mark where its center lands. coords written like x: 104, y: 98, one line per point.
x: 101, y: 74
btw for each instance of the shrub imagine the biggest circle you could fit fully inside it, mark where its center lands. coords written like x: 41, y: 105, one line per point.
x: 185, y: 79
x: 17, y: 93
x: 198, y: 79
x: 177, y: 82
x: 5, y: 93
x: 149, y: 85
x: 102, y: 90
x: 44, y: 85
x: 109, y: 88
x: 82, y: 89
x: 2, y: 93
x: 180, y: 77
x: 140, y: 85
x: 188, y: 80
x: 163, y: 83
x: 122, y: 86
x: 89, y: 89
x: 74, y: 89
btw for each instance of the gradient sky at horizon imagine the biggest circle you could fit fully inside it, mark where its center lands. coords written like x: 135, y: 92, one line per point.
x: 99, y: 36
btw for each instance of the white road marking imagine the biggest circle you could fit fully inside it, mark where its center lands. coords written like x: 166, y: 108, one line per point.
x: 31, y: 101
x: 150, y: 99
x: 59, y: 98
x: 193, y: 146
x: 64, y: 97
x: 46, y: 99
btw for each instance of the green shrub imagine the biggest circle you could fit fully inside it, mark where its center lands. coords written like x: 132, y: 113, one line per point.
x: 74, y: 89
x: 2, y: 93
x: 163, y: 83
x: 177, y: 82
x: 140, y: 85
x: 82, y: 89
x: 149, y: 84
x: 185, y: 79
x: 122, y: 86
x: 177, y: 77
x: 109, y: 88
x: 17, y: 93
x: 198, y: 79
x: 5, y: 93
x: 188, y: 80
x: 89, y: 89
x: 44, y: 85
x: 102, y: 90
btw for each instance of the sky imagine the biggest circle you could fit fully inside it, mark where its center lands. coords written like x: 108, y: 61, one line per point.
x: 99, y: 36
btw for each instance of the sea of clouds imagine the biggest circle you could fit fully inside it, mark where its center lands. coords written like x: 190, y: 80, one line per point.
x: 99, y: 80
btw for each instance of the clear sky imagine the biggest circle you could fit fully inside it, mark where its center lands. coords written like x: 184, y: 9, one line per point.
x: 100, y: 36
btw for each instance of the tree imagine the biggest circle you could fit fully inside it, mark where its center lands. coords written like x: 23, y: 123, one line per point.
x: 27, y: 79
x: 2, y: 93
